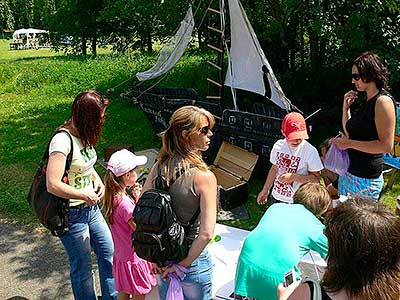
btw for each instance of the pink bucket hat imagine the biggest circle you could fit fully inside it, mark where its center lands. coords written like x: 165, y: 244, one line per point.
x: 123, y: 161
x: 294, y: 126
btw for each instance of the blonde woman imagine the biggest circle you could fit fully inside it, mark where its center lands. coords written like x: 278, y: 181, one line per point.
x: 188, y: 135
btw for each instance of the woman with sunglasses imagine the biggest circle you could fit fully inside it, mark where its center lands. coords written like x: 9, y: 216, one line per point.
x: 369, y: 131
x: 194, y: 186
x: 87, y: 227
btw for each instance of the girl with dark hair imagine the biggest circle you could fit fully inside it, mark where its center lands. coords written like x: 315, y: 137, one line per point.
x: 87, y: 227
x: 363, y: 256
x: 187, y: 136
x: 369, y: 131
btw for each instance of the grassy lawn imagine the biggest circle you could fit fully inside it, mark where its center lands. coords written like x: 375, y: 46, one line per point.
x: 37, y: 88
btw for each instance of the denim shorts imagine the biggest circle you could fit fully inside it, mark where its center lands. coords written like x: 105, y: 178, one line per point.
x: 197, y: 283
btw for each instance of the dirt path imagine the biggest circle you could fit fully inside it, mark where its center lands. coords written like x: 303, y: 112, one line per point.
x: 34, y: 266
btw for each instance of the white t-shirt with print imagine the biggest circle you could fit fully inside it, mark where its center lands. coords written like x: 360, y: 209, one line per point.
x: 301, y: 160
x: 80, y: 175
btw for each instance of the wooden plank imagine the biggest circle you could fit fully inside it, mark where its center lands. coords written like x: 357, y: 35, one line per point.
x: 215, y: 29
x: 215, y: 48
x: 214, y: 82
x: 214, y: 65
x: 214, y: 10
x: 213, y: 97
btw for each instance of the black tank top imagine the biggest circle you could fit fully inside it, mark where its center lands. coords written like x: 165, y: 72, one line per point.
x: 361, y: 127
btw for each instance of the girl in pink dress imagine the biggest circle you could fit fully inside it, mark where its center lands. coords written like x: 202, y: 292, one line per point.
x: 133, y: 275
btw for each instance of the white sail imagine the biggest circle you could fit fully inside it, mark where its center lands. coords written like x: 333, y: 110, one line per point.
x: 172, y: 52
x: 247, y: 59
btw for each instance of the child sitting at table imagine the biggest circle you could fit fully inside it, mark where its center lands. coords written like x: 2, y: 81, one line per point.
x: 294, y: 162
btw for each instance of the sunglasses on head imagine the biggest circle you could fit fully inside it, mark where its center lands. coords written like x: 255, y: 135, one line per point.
x: 356, y: 76
x: 204, y: 130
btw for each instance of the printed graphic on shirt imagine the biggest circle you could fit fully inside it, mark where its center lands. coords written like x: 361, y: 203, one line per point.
x: 286, y: 163
x: 88, y: 154
x: 81, y: 182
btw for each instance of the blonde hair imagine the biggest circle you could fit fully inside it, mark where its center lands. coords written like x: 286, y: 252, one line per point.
x: 314, y: 197
x: 175, y: 150
x: 113, y: 186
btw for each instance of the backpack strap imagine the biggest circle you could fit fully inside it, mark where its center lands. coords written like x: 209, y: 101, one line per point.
x: 316, y: 291
x: 160, y: 183
x: 69, y: 156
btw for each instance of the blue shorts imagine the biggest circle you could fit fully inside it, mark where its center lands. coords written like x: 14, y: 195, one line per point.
x: 350, y: 185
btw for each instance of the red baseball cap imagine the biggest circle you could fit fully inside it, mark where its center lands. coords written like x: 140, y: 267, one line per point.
x: 294, y: 126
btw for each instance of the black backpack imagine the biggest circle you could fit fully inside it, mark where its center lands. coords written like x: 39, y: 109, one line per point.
x: 51, y: 210
x: 159, y: 236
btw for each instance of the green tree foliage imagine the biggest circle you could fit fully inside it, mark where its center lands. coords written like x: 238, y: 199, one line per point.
x: 311, y: 43
x: 79, y: 19
x: 136, y: 24
x: 6, y: 17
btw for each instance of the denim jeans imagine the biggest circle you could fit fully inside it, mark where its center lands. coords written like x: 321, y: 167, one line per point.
x: 197, y: 283
x: 88, y: 229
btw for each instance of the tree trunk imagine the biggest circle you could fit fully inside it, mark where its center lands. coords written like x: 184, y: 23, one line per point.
x: 149, y: 43
x: 199, y: 37
x: 94, y: 45
x: 83, y: 46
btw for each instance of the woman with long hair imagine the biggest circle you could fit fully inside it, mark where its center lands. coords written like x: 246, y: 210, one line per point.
x: 87, y: 227
x: 369, y: 131
x: 363, y: 255
x: 187, y: 136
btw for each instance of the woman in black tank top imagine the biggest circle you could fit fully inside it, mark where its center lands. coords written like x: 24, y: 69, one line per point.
x: 363, y: 256
x: 369, y: 131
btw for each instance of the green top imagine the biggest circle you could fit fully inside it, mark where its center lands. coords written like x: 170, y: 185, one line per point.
x: 283, y: 236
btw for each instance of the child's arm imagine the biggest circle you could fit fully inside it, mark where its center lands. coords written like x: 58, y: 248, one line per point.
x: 132, y: 224
x: 263, y: 195
x: 290, y: 177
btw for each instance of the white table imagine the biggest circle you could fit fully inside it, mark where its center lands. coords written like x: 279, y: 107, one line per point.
x: 225, y: 254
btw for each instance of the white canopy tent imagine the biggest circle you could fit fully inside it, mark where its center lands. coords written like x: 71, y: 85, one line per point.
x: 29, y: 33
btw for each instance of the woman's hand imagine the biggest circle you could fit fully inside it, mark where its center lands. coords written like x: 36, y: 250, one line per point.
x: 156, y: 269
x: 98, y: 185
x: 348, y: 99
x: 285, y: 292
x: 91, y: 198
x: 168, y: 270
x: 342, y: 142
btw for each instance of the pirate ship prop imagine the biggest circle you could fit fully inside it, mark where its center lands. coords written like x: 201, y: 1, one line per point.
x: 247, y: 69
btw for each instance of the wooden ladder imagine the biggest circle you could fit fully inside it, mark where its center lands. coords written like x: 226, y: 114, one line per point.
x: 215, y: 79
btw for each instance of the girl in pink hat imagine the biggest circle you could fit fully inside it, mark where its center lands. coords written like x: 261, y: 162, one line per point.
x: 132, y: 274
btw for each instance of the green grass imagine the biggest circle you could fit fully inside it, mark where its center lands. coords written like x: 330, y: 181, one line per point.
x: 37, y: 88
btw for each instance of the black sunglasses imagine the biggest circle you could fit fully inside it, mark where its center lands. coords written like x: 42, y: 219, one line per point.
x: 356, y: 76
x: 204, y: 130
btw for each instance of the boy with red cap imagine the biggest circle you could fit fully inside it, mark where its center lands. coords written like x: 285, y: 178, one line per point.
x: 294, y: 162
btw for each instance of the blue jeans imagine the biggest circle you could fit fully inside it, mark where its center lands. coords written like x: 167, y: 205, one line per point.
x: 88, y: 229
x: 197, y: 283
